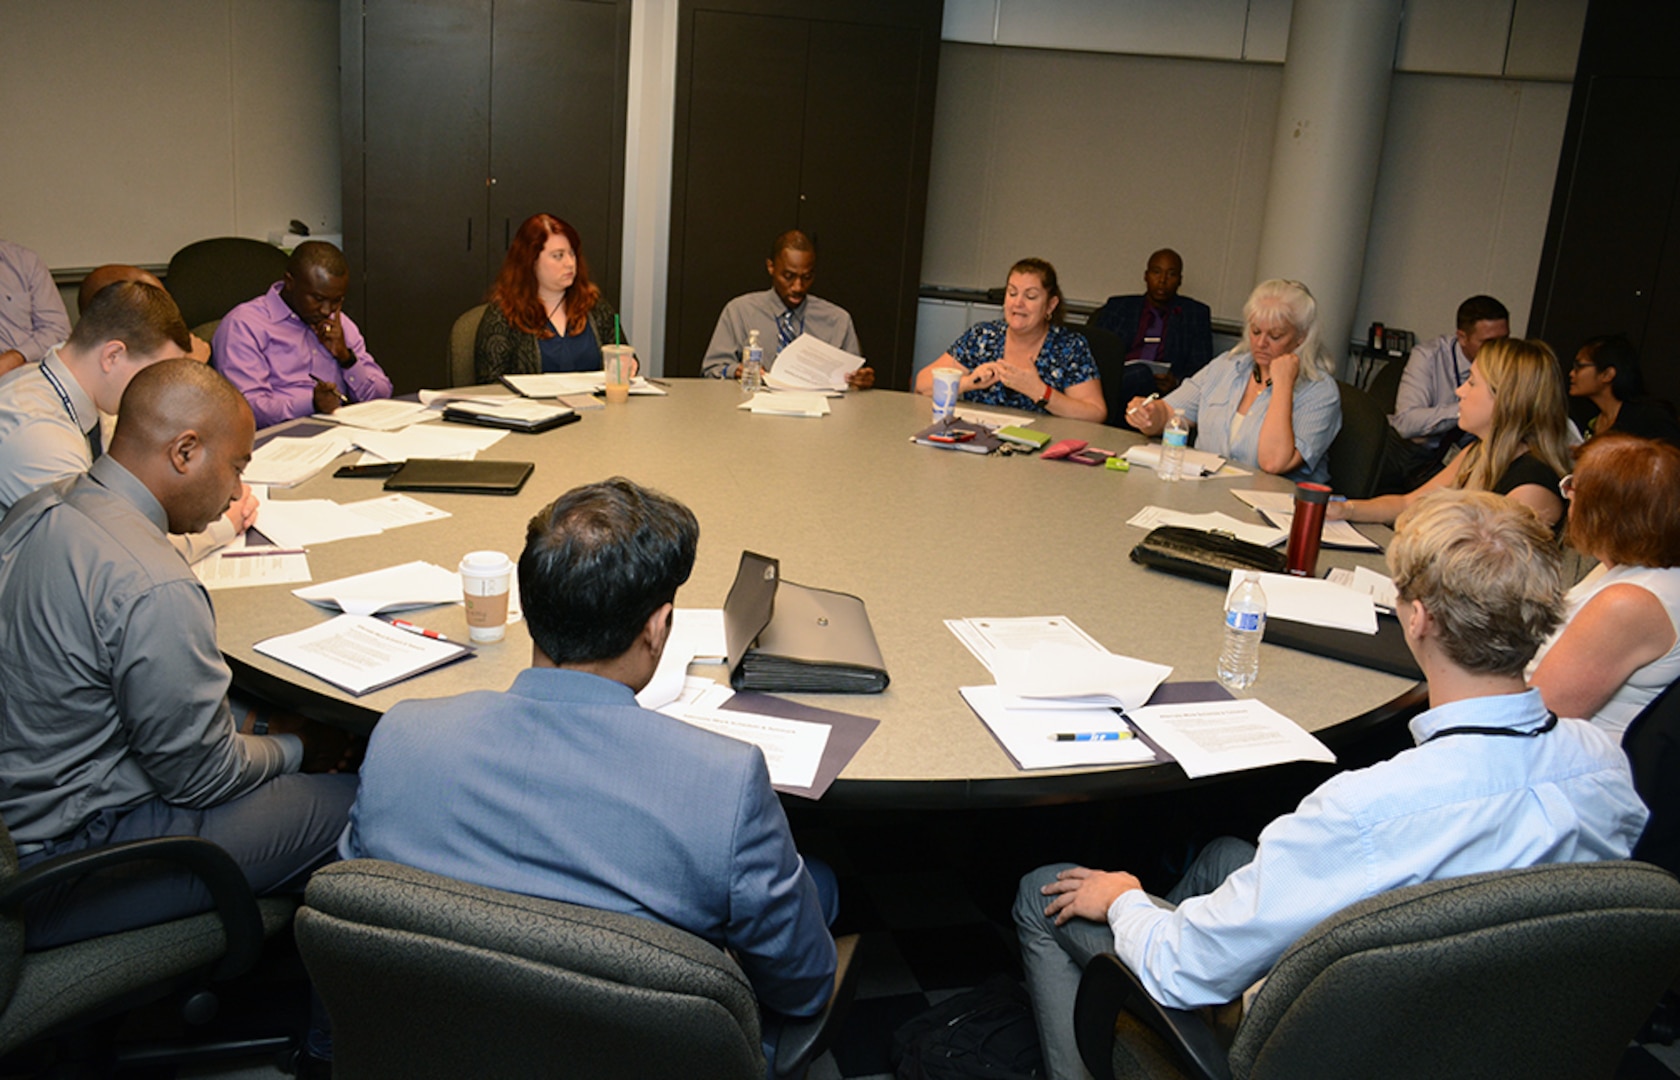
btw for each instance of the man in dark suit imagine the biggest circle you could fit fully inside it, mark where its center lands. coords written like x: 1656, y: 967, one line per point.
x: 1159, y: 327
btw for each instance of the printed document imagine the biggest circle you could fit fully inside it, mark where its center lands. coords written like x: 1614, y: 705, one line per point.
x: 1278, y: 507
x: 360, y: 654
x: 1029, y: 735
x: 1380, y: 587
x: 380, y: 415
x: 1313, y: 600
x: 286, y: 461
x: 1196, y: 462
x: 695, y: 634
x: 810, y: 364
x: 984, y: 637
x: 396, y: 588
x: 244, y: 567
x: 297, y: 523
x: 1153, y: 517
x: 457, y: 442
x: 1055, y: 675
x: 792, y: 748
x: 787, y: 403
x: 1209, y: 737
x: 395, y: 510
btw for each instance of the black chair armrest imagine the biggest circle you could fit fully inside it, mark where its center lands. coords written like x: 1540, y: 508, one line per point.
x: 804, y: 1040
x: 230, y: 892
x: 1107, y: 988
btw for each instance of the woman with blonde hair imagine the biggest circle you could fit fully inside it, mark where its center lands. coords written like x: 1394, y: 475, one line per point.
x: 1514, y: 403
x: 1270, y: 403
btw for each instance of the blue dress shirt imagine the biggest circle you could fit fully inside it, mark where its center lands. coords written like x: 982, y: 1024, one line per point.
x: 1454, y: 805
x: 1209, y: 399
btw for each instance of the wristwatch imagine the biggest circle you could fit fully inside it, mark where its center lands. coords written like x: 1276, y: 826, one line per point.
x: 1045, y: 400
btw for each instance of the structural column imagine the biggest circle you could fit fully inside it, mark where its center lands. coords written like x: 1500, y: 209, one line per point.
x: 1326, y: 151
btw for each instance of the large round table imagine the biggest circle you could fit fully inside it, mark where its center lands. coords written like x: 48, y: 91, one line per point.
x: 848, y: 502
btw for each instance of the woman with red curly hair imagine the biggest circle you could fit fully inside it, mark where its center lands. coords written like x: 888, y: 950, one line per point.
x: 1620, y: 645
x: 544, y: 312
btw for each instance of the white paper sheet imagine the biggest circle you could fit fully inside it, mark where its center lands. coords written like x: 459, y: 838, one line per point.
x: 359, y: 653
x: 809, y: 363
x: 694, y: 633
x: 1196, y: 462
x: 300, y: 522
x: 1380, y: 587
x: 395, y: 510
x: 1278, y: 507
x: 792, y: 748
x: 1030, y: 734
x: 379, y: 415
x: 1153, y: 517
x: 285, y: 461
x: 1209, y: 737
x: 562, y: 383
x: 994, y: 420
x: 246, y: 567
x: 1055, y: 675
x: 395, y: 588
x: 985, y: 636
x: 429, y: 441
x: 787, y: 403
x: 1315, y: 601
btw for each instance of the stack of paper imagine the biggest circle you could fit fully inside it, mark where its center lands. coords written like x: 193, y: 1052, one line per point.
x: 429, y: 441
x: 1379, y: 587
x: 285, y: 461
x: 696, y: 634
x: 1053, y: 675
x: 1315, y: 601
x: 395, y: 588
x: 1208, y: 737
x: 787, y: 403
x: 1196, y: 462
x: 360, y: 654
x: 550, y: 384
x: 379, y: 415
x: 810, y: 364
x: 1278, y: 507
x: 243, y: 568
x: 1153, y: 517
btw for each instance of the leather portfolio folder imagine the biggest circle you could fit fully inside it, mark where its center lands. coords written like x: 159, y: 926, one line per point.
x: 788, y: 637
x: 472, y: 477
x: 1384, y: 650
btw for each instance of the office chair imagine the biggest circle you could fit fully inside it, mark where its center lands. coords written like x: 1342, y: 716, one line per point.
x: 55, y: 991
x: 1385, y: 384
x: 425, y: 976
x: 1542, y: 972
x: 1652, y: 744
x: 1110, y: 354
x: 209, y: 278
x: 462, y: 336
x: 1356, y: 454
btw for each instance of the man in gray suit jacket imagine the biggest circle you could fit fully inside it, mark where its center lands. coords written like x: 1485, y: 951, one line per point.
x: 563, y: 787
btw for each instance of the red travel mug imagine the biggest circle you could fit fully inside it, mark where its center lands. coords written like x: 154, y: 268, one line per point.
x: 1306, y: 527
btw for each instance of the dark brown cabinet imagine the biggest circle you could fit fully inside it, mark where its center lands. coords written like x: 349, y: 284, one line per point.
x: 815, y: 116
x: 461, y: 118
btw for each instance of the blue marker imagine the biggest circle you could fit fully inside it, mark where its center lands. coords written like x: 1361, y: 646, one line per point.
x: 1090, y: 736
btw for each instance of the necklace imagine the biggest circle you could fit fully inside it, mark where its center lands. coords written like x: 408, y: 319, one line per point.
x: 556, y: 307
x: 1268, y: 380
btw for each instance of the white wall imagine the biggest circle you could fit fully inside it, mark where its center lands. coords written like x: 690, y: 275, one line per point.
x: 134, y: 127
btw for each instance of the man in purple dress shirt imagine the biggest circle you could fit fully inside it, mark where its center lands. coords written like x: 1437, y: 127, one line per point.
x: 32, y: 315
x: 292, y: 351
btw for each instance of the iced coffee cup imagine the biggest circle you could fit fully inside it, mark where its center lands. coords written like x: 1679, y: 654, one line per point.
x: 618, y: 361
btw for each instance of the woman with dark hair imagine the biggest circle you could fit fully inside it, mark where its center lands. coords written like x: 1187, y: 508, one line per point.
x: 1620, y: 645
x: 544, y: 312
x: 1027, y: 359
x: 1606, y: 373
x: 1513, y: 402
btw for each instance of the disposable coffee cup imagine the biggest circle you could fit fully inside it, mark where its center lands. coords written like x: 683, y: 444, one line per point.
x: 947, y: 387
x: 616, y: 362
x: 486, y: 577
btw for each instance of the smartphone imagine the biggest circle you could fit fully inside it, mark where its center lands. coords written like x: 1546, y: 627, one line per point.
x: 954, y: 436
x: 382, y: 468
x: 1091, y: 455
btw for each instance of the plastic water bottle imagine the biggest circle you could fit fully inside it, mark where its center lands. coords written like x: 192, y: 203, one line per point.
x: 1245, y: 624
x: 752, y: 365
x: 1173, y: 440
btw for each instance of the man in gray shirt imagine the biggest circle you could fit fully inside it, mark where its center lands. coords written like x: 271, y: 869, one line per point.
x: 781, y: 313
x: 114, y: 720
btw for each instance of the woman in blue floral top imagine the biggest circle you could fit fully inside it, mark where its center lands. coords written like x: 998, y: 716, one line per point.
x: 1028, y: 360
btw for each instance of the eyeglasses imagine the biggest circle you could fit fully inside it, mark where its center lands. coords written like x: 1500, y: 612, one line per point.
x: 1566, y: 486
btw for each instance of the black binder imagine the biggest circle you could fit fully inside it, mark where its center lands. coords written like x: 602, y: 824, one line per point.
x: 788, y: 637
x: 472, y: 477
x: 1384, y: 650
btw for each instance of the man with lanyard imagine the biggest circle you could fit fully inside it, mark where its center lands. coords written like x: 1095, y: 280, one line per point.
x: 1158, y: 327
x: 49, y: 412
x: 1496, y: 782
x: 781, y: 313
x: 1425, y: 420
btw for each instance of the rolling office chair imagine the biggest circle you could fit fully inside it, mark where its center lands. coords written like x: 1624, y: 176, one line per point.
x: 1542, y: 972
x: 1652, y: 744
x: 462, y: 336
x: 1356, y: 454
x: 53, y: 992
x: 1110, y: 354
x: 209, y: 278
x: 425, y: 976
x: 1384, y: 386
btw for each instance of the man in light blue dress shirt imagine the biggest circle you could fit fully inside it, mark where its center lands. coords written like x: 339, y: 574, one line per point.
x: 1496, y: 782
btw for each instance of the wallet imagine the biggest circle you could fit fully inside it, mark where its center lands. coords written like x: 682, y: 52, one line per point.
x: 1206, y: 556
x: 787, y: 637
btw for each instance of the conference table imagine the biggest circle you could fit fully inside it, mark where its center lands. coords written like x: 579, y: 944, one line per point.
x: 848, y: 502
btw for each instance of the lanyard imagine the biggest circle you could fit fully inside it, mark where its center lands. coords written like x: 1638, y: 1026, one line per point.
x: 1458, y: 380
x: 63, y: 395
x: 1551, y: 722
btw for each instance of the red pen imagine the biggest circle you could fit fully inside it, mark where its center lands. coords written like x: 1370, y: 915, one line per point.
x: 404, y: 624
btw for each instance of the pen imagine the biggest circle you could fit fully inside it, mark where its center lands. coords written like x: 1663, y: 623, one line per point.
x: 1146, y: 401
x: 1090, y: 736
x: 253, y: 552
x: 404, y: 624
x: 660, y: 382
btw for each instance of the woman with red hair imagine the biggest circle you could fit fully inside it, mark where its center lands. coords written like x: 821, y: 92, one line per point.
x: 1621, y: 644
x: 544, y: 312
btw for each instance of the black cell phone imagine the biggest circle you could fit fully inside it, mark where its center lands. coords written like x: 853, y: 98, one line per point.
x: 379, y: 469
